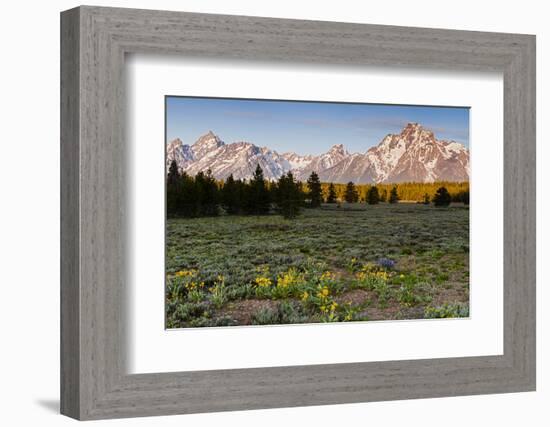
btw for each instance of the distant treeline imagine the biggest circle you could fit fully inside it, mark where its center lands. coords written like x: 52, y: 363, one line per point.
x: 203, y: 195
x: 406, y: 191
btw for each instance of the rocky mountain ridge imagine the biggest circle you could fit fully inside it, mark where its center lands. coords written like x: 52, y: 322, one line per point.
x: 412, y: 155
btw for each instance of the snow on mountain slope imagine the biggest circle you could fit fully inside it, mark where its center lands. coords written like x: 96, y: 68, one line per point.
x: 240, y: 159
x: 320, y: 163
x: 297, y: 161
x: 412, y: 155
x: 206, y: 145
x: 180, y: 152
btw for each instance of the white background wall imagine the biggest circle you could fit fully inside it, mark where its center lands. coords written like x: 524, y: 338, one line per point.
x: 29, y: 228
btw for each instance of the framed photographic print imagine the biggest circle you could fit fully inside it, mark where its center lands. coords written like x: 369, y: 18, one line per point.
x: 324, y: 235
x: 261, y: 213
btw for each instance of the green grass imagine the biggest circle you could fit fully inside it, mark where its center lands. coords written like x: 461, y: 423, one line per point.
x: 248, y: 269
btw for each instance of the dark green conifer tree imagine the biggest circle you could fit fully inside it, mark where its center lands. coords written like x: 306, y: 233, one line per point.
x: 289, y: 196
x: 230, y: 196
x: 394, y: 198
x: 315, y: 193
x: 207, y: 192
x: 465, y: 197
x: 442, y: 197
x: 258, y: 199
x: 173, y: 190
x: 351, y: 195
x: 373, y: 198
x: 173, y: 173
x: 189, y: 205
x: 331, y: 197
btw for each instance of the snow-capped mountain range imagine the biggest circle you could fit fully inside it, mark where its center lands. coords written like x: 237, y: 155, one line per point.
x: 412, y: 155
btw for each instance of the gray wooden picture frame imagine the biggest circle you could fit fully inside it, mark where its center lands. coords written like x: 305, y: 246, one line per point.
x: 94, y: 41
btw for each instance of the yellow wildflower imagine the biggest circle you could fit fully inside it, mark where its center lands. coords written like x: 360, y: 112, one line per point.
x: 305, y: 295
x: 382, y: 275
x: 291, y: 277
x: 324, y: 292
x: 191, y: 285
x: 186, y: 273
x: 263, y: 282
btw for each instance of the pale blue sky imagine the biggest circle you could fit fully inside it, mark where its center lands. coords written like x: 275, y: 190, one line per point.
x: 306, y: 127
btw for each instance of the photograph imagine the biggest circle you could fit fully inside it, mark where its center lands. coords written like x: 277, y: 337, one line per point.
x: 291, y: 212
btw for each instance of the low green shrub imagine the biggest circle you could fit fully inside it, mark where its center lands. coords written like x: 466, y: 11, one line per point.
x: 447, y: 310
x: 286, y: 312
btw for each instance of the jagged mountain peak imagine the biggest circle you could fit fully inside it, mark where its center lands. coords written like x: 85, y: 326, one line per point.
x: 208, y: 136
x: 338, y: 148
x: 206, y: 144
x: 416, y: 155
x: 175, y: 145
x: 175, y: 142
x: 411, y: 126
x: 415, y: 132
x: 180, y: 152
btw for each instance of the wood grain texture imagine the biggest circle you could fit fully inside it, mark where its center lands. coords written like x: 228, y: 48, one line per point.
x: 94, y: 233
x: 70, y: 259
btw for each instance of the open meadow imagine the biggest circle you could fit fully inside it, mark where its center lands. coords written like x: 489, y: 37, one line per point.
x: 348, y: 262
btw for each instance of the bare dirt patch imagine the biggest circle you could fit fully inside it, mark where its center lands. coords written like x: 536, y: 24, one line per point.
x: 450, y: 293
x: 242, y: 311
x: 354, y: 297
